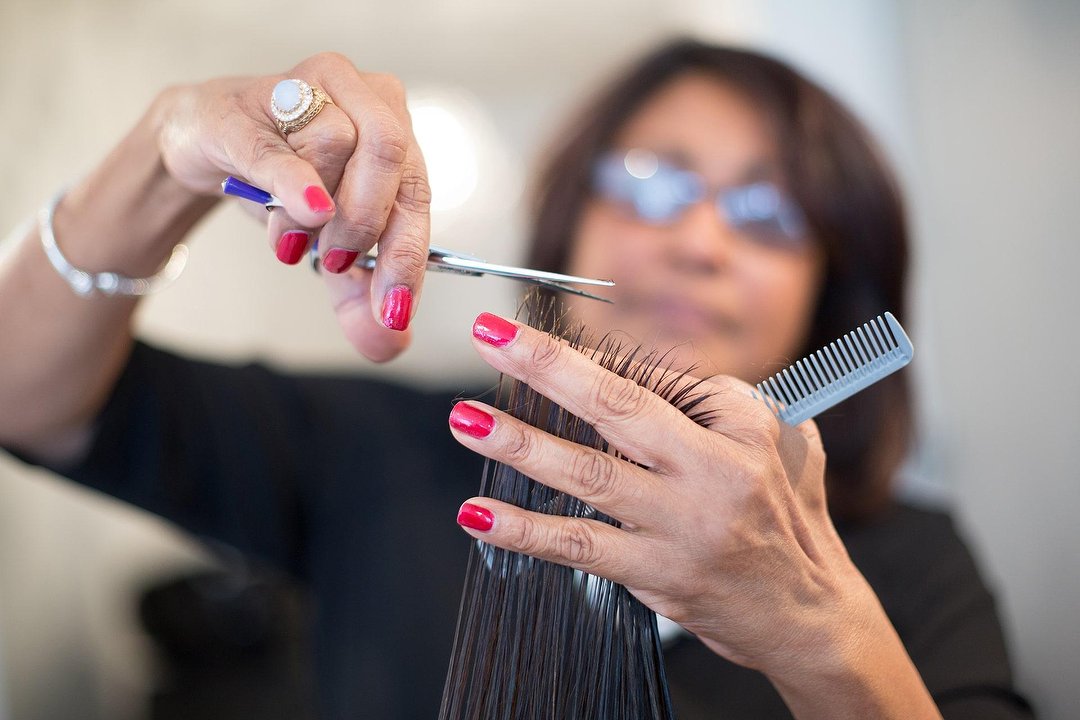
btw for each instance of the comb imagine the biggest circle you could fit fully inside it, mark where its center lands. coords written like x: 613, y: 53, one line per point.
x: 837, y: 371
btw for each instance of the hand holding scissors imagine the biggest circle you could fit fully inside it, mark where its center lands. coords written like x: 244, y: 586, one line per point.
x: 439, y: 258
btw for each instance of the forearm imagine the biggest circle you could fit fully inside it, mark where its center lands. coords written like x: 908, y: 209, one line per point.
x: 61, y: 353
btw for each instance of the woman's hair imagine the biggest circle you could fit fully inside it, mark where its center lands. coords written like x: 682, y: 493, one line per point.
x: 853, y: 209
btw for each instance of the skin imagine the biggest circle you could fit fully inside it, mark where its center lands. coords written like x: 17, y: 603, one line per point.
x: 710, y: 508
x: 736, y: 306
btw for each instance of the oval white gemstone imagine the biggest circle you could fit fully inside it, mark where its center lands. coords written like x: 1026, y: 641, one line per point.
x: 287, y: 95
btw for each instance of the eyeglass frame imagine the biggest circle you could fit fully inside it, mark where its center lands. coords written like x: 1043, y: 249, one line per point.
x: 627, y: 177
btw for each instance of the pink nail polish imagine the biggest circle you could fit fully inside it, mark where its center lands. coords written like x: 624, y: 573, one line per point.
x: 318, y: 199
x: 291, y: 246
x: 471, y: 420
x: 338, y: 260
x: 396, y: 307
x: 493, y: 330
x: 475, y: 517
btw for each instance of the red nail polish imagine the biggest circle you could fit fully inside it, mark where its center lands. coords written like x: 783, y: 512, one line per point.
x: 338, y: 260
x: 396, y: 306
x: 471, y: 420
x: 475, y: 517
x: 318, y: 199
x: 493, y: 330
x: 291, y: 246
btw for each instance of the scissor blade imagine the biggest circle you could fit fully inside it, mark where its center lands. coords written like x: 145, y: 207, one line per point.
x: 460, y: 263
x: 567, y: 289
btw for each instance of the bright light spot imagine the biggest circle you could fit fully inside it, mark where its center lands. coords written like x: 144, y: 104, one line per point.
x: 641, y: 164
x: 450, y: 153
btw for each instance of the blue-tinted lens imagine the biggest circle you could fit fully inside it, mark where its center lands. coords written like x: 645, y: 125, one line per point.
x: 656, y: 192
x: 659, y: 192
x: 764, y: 212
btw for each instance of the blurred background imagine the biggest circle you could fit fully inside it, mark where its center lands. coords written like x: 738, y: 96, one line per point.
x: 976, y: 103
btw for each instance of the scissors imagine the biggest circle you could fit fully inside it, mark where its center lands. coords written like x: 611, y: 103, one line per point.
x: 440, y: 258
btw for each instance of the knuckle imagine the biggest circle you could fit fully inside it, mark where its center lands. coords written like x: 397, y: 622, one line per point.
x: 403, y: 258
x: 595, y: 473
x: 333, y: 140
x: 547, y: 355
x: 414, y: 193
x: 617, y: 397
x: 261, y: 150
x: 520, y: 445
x: 386, y: 82
x: 529, y: 537
x: 361, y: 226
x: 334, y: 60
x: 386, y: 144
x: 577, y: 543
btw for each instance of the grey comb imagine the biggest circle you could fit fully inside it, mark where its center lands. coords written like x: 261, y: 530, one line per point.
x: 837, y: 371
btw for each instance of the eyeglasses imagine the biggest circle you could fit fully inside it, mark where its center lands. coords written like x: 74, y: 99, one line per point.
x: 659, y: 192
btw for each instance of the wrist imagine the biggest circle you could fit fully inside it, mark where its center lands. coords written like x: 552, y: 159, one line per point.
x: 129, y: 213
x: 851, y: 665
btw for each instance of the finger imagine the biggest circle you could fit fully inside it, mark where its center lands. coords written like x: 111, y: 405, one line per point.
x: 372, y: 175
x: 614, y: 487
x: 350, y: 295
x: 638, y: 423
x: 327, y: 142
x: 288, y: 240
x: 256, y: 153
x: 588, y: 545
x: 403, y: 249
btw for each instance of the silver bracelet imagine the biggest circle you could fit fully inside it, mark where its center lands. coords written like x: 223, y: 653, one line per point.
x: 85, y: 283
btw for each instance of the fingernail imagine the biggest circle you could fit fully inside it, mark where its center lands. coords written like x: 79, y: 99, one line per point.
x: 475, y: 517
x: 396, y: 306
x: 338, y: 260
x: 318, y: 199
x: 493, y: 330
x: 471, y: 420
x: 291, y: 245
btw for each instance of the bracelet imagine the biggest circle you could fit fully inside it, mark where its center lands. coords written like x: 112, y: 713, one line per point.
x: 84, y: 283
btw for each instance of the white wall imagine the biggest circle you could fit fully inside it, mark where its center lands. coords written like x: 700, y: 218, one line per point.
x: 976, y: 103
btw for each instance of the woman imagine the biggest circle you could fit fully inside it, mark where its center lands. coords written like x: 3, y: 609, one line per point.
x: 346, y: 483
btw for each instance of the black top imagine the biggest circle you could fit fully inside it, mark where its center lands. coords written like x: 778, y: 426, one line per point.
x: 352, y: 485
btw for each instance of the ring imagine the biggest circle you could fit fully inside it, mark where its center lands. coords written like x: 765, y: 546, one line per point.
x: 294, y: 104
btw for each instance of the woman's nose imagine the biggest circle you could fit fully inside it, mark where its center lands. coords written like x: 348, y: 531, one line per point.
x: 702, y: 241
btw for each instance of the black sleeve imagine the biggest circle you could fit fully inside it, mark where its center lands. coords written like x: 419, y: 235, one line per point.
x: 215, y: 449
x: 930, y: 587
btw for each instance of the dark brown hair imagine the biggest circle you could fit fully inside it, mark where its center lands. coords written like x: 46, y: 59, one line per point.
x: 853, y: 208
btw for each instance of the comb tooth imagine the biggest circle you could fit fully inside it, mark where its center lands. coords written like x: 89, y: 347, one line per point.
x: 877, y: 325
x: 888, y: 329
x: 871, y: 341
x: 819, y: 374
x: 872, y: 353
x: 778, y: 392
x: 770, y: 401
x: 841, y: 360
x: 906, y: 350
x: 802, y: 380
x: 774, y: 393
x: 825, y: 356
x: 860, y: 350
x: 797, y: 394
x: 803, y: 368
x: 849, y: 354
x: 789, y: 386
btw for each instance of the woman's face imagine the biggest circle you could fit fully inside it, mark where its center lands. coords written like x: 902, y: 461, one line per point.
x: 730, y: 302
